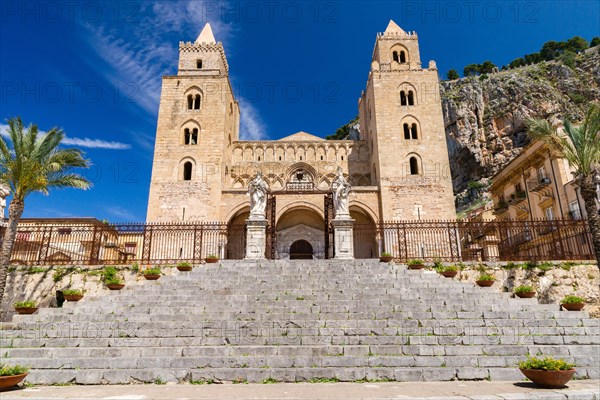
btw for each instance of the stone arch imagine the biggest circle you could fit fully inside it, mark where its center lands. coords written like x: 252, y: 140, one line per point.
x: 238, y: 154
x: 186, y: 169
x: 300, y: 221
x: 193, y: 96
x: 307, y: 168
x: 365, y: 232
x: 414, y: 164
x: 407, y: 94
x: 411, y: 127
x: 190, y: 132
x: 400, y: 54
x: 236, y: 232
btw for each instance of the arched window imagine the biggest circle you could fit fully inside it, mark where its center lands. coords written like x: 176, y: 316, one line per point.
x: 402, y: 57
x: 190, y: 137
x: 197, y: 102
x: 199, y: 64
x: 411, y: 98
x: 406, y: 131
x: 395, y: 56
x: 403, y: 99
x: 413, y: 131
x: 187, y: 171
x: 414, y: 166
x: 190, y: 102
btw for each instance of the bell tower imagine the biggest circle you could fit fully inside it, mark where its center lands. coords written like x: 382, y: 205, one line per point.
x: 198, y: 119
x: 401, y: 118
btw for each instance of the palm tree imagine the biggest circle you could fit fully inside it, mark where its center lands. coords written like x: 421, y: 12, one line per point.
x: 33, y: 164
x: 580, y: 146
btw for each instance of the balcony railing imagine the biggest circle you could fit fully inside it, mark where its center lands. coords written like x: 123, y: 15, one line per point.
x: 538, y: 184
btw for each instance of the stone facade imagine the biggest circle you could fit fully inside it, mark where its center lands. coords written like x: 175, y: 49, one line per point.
x: 201, y: 168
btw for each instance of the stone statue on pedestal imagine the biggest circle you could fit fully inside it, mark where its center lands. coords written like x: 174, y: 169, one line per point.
x: 257, y: 190
x: 341, y: 189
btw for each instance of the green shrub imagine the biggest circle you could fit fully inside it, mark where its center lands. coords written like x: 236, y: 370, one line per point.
x: 72, y: 292
x: 437, y: 264
x: 450, y: 268
x: 486, y: 277
x: 212, y: 256
x: 110, y: 276
x: 524, y: 289
x: 184, y: 264
x: 546, y: 364
x: 25, y: 304
x: 510, y: 265
x: 415, y: 262
x: 386, y: 254
x: 7, y: 370
x: 529, y: 265
x: 135, y: 267
x: 152, y: 271
x: 572, y: 300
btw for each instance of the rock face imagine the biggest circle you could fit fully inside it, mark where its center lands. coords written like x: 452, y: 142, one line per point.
x: 485, y: 116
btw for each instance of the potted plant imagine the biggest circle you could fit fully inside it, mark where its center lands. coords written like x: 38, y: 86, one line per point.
x: 152, y: 274
x: 26, y: 307
x: 485, y: 280
x: 11, y: 375
x: 524, y: 291
x: 72, y: 294
x: 211, y: 258
x: 547, y: 372
x: 449, y: 271
x: 415, y: 264
x: 386, y: 257
x: 111, y: 278
x: 572, y: 303
x: 184, y: 266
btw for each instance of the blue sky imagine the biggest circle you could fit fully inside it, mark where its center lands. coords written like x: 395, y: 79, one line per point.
x: 94, y: 68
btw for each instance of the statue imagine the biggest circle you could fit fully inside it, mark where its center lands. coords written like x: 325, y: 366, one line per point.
x: 257, y: 190
x: 4, y: 192
x: 341, y: 189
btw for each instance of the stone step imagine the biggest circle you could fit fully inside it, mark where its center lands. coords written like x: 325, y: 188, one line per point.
x: 300, y: 374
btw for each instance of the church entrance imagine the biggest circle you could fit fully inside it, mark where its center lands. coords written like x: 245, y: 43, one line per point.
x: 301, y: 250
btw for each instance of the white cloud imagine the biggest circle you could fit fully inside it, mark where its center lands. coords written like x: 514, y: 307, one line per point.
x: 140, y: 53
x: 121, y: 213
x: 85, y: 142
x: 251, y: 125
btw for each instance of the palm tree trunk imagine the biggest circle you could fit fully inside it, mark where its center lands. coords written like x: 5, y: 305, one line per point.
x: 588, y: 193
x: 15, y: 210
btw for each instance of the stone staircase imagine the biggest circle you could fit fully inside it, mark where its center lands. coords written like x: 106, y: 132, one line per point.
x: 324, y: 320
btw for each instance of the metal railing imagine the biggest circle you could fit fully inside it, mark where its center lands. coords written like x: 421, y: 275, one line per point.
x: 96, y: 243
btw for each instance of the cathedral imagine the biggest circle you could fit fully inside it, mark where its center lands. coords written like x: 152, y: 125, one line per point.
x: 397, y: 167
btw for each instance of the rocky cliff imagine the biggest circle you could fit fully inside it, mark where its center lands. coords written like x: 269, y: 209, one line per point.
x: 485, y: 116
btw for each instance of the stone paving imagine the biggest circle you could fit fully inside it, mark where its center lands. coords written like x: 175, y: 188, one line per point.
x: 300, y: 321
x: 576, y: 390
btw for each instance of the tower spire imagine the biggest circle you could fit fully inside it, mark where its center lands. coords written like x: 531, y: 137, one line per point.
x: 394, y: 28
x: 206, y: 36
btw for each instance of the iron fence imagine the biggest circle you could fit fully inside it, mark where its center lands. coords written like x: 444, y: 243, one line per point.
x: 92, y: 242
x: 530, y: 240
x: 97, y: 243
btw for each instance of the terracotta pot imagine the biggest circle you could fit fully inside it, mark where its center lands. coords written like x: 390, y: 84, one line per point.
x: 525, y: 295
x: 25, y: 310
x: 386, y: 258
x: 416, y: 266
x: 10, y: 381
x: 211, y: 260
x: 484, y: 283
x: 73, y: 297
x: 152, y: 277
x: 573, y: 306
x: 182, y: 268
x: 115, y: 286
x: 449, y: 274
x: 549, y: 379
